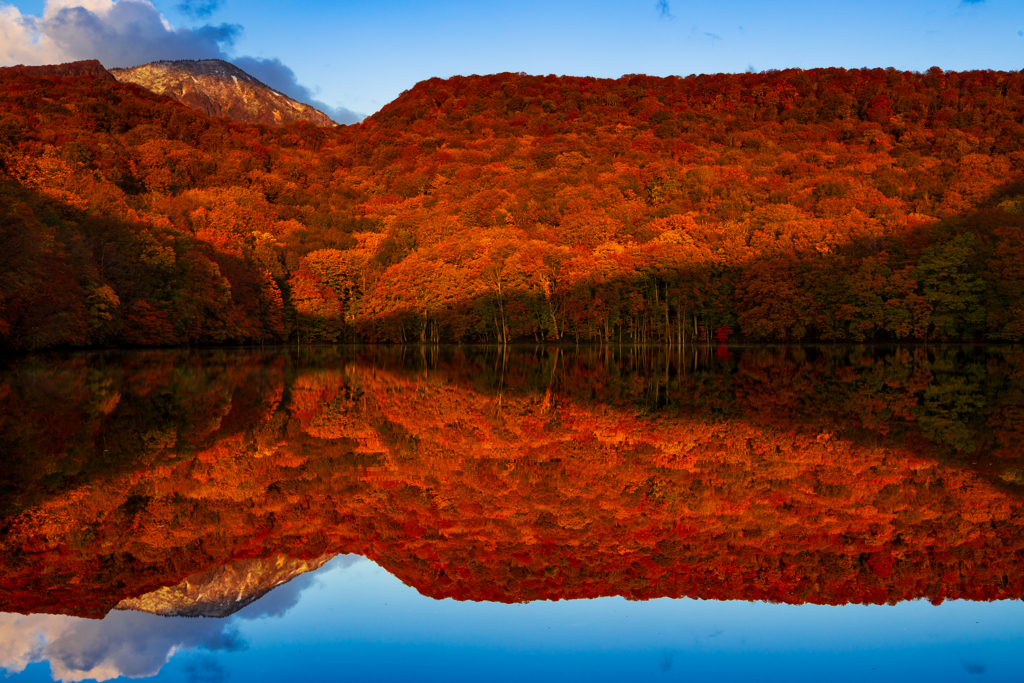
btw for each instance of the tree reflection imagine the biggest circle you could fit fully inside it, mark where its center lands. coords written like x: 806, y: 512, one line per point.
x: 827, y: 475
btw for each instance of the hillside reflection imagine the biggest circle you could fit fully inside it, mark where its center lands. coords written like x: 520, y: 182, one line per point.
x: 831, y: 476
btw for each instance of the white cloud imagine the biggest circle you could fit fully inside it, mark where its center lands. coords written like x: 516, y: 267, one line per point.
x: 128, y: 644
x: 118, y: 34
x: 20, y: 43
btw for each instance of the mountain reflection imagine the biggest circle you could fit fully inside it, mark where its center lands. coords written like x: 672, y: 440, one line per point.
x: 127, y: 643
x: 829, y: 476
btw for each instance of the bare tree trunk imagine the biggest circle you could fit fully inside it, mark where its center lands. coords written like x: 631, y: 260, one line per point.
x: 501, y: 310
x: 654, y: 309
x: 679, y: 323
x: 554, y: 321
x: 668, y: 329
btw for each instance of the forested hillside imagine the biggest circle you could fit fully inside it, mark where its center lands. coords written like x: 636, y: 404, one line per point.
x: 826, y: 205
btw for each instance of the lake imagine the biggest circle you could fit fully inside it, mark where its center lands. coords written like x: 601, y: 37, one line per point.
x: 460, y: 513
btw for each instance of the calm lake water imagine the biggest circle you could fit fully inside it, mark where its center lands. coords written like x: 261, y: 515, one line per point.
x: 476, y: 513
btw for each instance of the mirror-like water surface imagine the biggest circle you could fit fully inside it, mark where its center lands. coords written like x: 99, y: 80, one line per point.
x: 352, y: 620
x: 855, y: 485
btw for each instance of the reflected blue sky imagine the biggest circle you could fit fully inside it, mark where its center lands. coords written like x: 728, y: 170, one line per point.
x: 351, y: 620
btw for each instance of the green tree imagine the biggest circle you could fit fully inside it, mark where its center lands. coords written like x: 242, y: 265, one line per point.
x: 951, y: 286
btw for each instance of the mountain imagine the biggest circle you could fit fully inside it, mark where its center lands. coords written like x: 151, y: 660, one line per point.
x: 222, y: 591
x: 87, y: 67
x: 218, y: 88
x: 825, y: 205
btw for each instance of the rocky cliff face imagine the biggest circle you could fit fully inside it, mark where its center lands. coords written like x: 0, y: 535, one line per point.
x: 222, y: 591
x: 218, y: 88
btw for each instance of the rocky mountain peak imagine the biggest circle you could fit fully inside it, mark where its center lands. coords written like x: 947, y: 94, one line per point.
x: 222, y: 591
x: 219, y: 88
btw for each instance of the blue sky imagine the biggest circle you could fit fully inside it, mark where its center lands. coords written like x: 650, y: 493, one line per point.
x: 360, y: 55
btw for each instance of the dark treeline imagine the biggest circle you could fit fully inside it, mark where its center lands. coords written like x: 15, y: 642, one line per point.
x: 825, y: 205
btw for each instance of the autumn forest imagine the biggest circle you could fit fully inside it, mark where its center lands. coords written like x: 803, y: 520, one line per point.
x: 825, y: 205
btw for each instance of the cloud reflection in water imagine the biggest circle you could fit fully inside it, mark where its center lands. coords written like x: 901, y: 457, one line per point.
x: 136, y: 644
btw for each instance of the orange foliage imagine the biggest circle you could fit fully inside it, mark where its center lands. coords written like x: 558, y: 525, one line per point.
x: 827, y: 477
x: 786, y: 205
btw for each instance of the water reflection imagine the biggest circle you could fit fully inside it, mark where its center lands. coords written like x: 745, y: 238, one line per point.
x: 793, y: 475
x: 354, y: 620
x: 194, y: 483
x: 133, y: 644
x: 123, y: 644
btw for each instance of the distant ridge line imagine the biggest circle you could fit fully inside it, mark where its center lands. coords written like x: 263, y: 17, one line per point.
x: 85, y: 67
